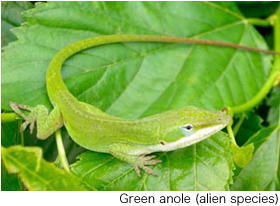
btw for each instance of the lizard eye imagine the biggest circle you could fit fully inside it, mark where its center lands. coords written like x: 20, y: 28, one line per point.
x: 188, y: 127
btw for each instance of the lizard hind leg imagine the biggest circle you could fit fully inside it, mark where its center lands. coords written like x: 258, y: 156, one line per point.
x: 46, y: 123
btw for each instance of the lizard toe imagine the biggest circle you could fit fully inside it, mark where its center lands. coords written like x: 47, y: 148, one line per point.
x: 137, y: 170
x: 148, y: 170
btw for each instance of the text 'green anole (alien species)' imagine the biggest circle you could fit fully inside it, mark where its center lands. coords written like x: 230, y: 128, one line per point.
x: 127, y: 140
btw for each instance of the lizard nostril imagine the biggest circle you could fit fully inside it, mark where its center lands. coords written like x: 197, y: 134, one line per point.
x: 162, y: 143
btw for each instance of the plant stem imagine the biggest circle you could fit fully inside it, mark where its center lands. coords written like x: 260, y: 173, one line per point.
x: 259, y: 96
x: 230, y: 133
x: 239, y: 123
x: 21, y: 133
x: 8, y: 117
x: 277, y: 43
x: 61, y: 151
x: 275, y: 72
x: 261, y: 22
x: 276, y: 23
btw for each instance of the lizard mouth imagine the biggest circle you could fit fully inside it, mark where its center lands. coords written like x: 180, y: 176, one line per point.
x: 196, y: 137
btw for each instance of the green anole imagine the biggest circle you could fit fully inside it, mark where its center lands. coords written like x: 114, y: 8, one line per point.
x: 127, y: 140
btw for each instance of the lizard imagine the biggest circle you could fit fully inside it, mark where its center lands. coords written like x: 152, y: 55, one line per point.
x: 129, y: 140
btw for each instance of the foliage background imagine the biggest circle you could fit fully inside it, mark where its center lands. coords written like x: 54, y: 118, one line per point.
x: 205, y: 166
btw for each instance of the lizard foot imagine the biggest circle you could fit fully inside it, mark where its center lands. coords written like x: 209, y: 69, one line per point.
x: 142, y: 162
x: 29, y: 120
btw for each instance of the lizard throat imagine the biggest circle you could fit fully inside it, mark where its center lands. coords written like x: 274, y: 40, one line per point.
x: 189, y: 140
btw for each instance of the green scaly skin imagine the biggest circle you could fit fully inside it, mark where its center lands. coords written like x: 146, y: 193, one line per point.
x: 127, y: 140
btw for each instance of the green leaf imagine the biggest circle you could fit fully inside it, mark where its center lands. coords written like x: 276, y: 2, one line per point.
x: 278, y: 173
x: 204, y: 166
x: 251, y: 125
x: 274, y: 104
x: 9, y: 134
x: 147, y: 77
x: 9, y: 137
x: 253, y: 9
x: 242, y: 155
x: 9, y: 182
x: 11, y: 17
x: 261, y: 173
x: 36, y: 173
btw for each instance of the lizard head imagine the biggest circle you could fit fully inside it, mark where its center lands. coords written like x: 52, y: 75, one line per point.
x: 183, y: 127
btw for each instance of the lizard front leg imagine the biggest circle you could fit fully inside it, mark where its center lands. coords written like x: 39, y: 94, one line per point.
x: 46, y: 123
x: 124, y: 152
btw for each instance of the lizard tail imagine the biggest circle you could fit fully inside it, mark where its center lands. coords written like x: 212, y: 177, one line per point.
x: 54, y: 80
